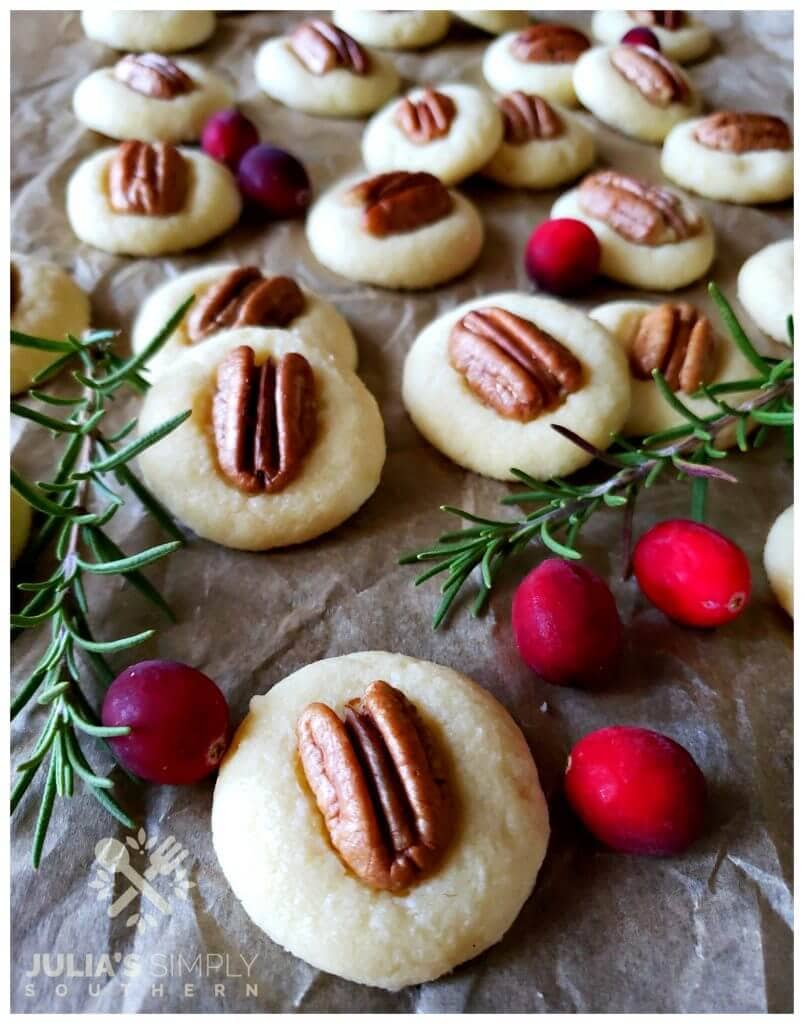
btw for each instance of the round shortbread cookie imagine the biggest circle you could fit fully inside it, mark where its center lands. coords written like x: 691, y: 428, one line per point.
x: 21, y: 513
x: 420, y: 258
x: 756, y: 176
x: 456, y: 422
x: 212, y: 205
x: 495, y: 22
x: 273, y: 846
x: 319, y: 325
x: 765, y: 288
x: 545, y: 163
x: 655, y: 267
x: 163, y: 31
x: 47, y: 304
x: 618, y: 103
x: 339, y: 473
x: 393, y: 30
x: 649, y: 412
x: 505, y: 73
x: 687, y: 43
x: 474, y: 135
x: 338, y: 93
x: 779, y: 560
x: 107, y: 105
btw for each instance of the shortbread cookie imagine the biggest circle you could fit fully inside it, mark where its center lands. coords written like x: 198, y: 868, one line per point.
x: 397, y: 230
x: 635, y: 89
x: 681, y: 35
x: 448, y: 130
x: 543, y: 146
x: 152, y: 98
x: 682, y: 343
x: 163, y: 31
x: 320, y: 69
x: 765, y: 288
x: 228, y: 295
x: 734, y: 157
x: 146, y: 199
x: 650, y: 237
x: 540, y: 59
x: 45, y: 303
x: 485, y: 382
x: 275, y: 846
x: 779, y: 561
x: 495, y: 22
x: 20, y: 524
x: 393, y: 30
x: 283, y: 443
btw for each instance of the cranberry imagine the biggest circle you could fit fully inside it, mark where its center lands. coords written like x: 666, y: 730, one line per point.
x: 641, y: 37
x: 275, y: 181
x: 178, y: 717
x: 562, y: 256
x: 636, y: 790
x: 566, y: 624
x: 227, y: 136
x: 692, y: 573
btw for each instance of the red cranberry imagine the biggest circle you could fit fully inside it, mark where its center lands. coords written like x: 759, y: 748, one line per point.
x: 636, y: 790
x: 275, y: 181
x: 641, y: 37
x: 692, y: 573
x: 566, y: 624
x: 178, y: 717
x: 562, y: 256
x: 227, y: 136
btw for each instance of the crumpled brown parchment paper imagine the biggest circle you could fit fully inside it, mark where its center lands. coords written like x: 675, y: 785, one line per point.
x: 711, y: 930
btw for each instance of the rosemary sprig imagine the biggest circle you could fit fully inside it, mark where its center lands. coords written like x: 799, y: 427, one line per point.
x: 74, y: 508
x: 687, y: 452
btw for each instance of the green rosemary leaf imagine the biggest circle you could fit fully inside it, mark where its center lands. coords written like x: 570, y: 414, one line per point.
x: 130, y: 562
x: 111, y: 805
x: 45, y: 811
x: 789, y: 324
x: 81, y: 766
x: 98, y: 518
x: 698, y: 495
x: 761, y: 436
x: 103, y: 547
x: 448, y: 598
x: 124, y: 455
x: 97, y: 730
x: 773, y: 419
x: 714, y: 453
x: 109, y: 646
x: 52, y: 369
x: 554, y: 545
x: 472, y: 518
x: 784, y: 368
x: 731, y: 387
x: 655, y: 472
x: 739, y: 336
x: 27, y: 690
x: 19, y: 621
x: 35, y: 498
x: 46, y: 696
x: 137, y: 362
x: 485, y: 564
x: 434, y: 570
x: 48, y: 399
x: 674, y: 401
x: 59, y: 426
x: 526, y: 497
x: 49, y: 583
x: 92, y: 421
x: 614, y: 500
x: 41, y: 344
x: 149, y: 501
x: 471, y: 532
x: 123, y: 432
x: 742, y: 438
x: 666, y: 436
x: 21, y: 785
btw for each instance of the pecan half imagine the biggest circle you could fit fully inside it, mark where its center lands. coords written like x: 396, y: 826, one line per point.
x: 378, y: 784
x: 656, y: 77
x: 321, y: 47
x: 677, y: 340
x: 263, y: 419
x: 15, y: 287
x: 639, y: 212
x: 153, y: 75
x: 670, y: 20
x: 428, y: 118
x: 400, y: 201
x: 511, y: 364
x: 547, y: 43
x: 147, y: 178
x: 528, y: 117
x: 244, y: 298
x: 735, y: 132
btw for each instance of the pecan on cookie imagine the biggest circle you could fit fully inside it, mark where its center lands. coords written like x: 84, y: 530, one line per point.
x: 512, y: 365
x: 379, y: 787
x: 639, y: 212
x: 677, y: 340
x: 400, y: 201
x: 147, y: 178
x: 656, y: 77
x: 527, y: 117
x: 245, y: 298
x: 427, y: 118
x: 734, y: 132
x: 321, y: 47
x: 153, y: 75
x: 548, y: 43
x: 14, y: 293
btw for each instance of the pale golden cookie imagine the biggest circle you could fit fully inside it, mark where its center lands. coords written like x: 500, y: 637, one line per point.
x: 319, y: 324
x: 544, y: 68
x: 273, y: 847
x: 46, y: 303
x: 393, y: 30
x: 452, y: 417
x: 339, y: 472
x: 779, y: 559
x: 163, y: 31
x: 689, y: 41
x: 765, y: 287
x: 494, y: 22
x: 20, y: 525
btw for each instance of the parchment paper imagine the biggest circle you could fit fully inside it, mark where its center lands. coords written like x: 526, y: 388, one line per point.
x: 707, y: 931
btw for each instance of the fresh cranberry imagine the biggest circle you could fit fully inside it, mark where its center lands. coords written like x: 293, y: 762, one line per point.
x: 275, y: 181
x: 636, y: 790
x: 562, y: 256
x: 566, y: 624
x: 641, y: 37
x: 692, y: 573
x: 228, y: 136
x: 178, y: 717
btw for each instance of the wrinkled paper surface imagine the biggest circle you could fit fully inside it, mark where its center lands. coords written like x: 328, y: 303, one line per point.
x: 707, y: 931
